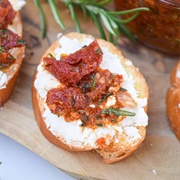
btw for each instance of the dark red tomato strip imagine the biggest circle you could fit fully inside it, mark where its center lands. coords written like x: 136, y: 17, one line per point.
x: 72, y: 68
x: 7, y: 14
x: 9, y: 40
x: 64, y: 72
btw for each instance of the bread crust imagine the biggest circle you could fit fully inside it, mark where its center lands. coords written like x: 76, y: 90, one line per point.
x: 173, y: 101
x: 14, y: 69
x: 110, y: 154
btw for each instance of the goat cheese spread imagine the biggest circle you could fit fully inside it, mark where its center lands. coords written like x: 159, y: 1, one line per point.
x: 17, y: 4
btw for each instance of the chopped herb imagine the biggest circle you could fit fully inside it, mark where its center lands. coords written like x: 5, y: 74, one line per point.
x: 2, y: 49
x: 113, y: 121
x: 122, y: 89
x: 72, y: 102
x: 94, y: 82
x: 4, y: 33
x: 21, y: 41
x: 84, y: 46
x: 1, y: 67
x: 10, y: 57
x: 87, y: 86
x: 51, y: 56
x: 83, y: 124
x: 105, y: 97
x: 98, y: 116
x: 118, y: 112
x: 98, y: 51
x: 99, y: 125
x: 86, y: 117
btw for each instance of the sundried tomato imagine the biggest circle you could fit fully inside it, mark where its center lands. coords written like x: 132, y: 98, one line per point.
x: 64, y: 72
x: 9, y: 40
x: 72, y: 68
x: 7, y: 13
x: 65, y: 100
x: 6, y: 59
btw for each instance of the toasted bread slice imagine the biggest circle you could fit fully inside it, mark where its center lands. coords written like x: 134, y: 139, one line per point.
x: 120, y: 139
x: 8, y: 77
x: 173, y: 101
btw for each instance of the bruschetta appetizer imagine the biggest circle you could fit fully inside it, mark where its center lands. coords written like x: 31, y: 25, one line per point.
x: 11, y: 46
x: 173, y: 101
x: 87, y: 96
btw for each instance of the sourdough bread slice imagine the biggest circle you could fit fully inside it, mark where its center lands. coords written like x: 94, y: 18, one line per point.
x: 173, y: 100
x: 8, y: 77
x: 121, y: 139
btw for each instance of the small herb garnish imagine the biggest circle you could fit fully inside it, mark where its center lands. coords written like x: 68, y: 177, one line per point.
x: 87, y: 86
x: 11, y: 57
x: 94, y: 82
x: 98, y: 51
x: 3, y: 66
x: 113, y: 121
x: 122, y: 89
x: 50, y: 55
x: 104, y: 98
x: 84, y: 46
x: 72, y: 102
x: 83, y: 124
x: 86, y: 117
x: 4, y: 33
x: 99, y: 125
x: 21, y: 41
x: 2, y: 49
x: 118, y: 112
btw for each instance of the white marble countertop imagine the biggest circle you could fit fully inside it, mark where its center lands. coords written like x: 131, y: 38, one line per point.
x: 19, y: 163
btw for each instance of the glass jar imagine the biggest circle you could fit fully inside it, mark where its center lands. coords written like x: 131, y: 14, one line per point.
x: 158, y: 28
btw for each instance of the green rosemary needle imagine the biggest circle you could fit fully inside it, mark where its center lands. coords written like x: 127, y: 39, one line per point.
x: 118, y: 112
x: 56, y: 14
x: 42, y: 17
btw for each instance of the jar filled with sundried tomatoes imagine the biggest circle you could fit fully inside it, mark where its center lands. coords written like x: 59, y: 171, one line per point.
x: 158, y: 28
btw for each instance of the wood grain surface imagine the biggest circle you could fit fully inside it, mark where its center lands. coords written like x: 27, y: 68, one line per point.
x: 159, y: 155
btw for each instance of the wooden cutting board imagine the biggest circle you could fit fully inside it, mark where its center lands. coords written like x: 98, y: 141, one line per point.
x: 159, y: 155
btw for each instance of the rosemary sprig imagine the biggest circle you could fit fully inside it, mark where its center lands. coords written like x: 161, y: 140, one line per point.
x: 42, y: 17
x: 118, y: 112
x: 104, y: 19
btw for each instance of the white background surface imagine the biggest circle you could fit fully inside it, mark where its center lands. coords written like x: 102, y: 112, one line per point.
x: 19, y: 163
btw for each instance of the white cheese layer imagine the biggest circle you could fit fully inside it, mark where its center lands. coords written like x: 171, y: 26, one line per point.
x: 3, y: 80
x: 178, y: 74
x: 17, y: 4
x: 72, y: 132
